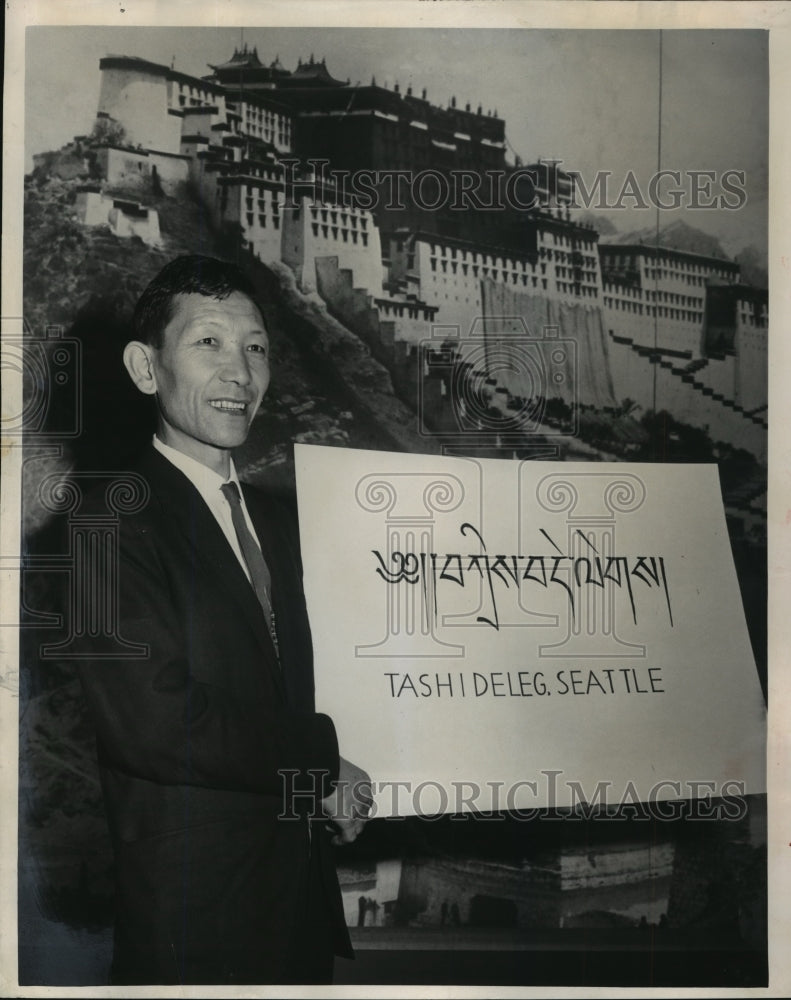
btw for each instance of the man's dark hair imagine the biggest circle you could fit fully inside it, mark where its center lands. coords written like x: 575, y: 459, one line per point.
x: 189, y: 275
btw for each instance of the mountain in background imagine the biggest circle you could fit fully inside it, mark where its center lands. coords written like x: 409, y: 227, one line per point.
x: 678, y: 235
x: 603, y: 225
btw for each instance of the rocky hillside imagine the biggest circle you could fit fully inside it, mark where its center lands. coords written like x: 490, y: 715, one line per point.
x: 326, y: 387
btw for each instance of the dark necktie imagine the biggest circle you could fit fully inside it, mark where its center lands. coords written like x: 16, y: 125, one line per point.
x: 254, y: 560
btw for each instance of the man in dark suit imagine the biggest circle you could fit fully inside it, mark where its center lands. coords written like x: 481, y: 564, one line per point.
x: 219, y: 777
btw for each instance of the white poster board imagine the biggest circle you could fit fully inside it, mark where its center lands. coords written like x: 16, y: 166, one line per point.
x: 494, y: 634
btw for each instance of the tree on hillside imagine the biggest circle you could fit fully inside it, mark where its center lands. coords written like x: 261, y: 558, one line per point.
x: 753, y: 267
x: 108, y: 132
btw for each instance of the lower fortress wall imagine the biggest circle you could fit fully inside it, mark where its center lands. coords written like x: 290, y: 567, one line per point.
x: 535, y: 346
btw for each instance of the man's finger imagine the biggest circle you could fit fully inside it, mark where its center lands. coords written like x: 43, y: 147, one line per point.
x: 347, y: 831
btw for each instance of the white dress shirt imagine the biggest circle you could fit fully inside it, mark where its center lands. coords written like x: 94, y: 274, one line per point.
x: 208, y: 483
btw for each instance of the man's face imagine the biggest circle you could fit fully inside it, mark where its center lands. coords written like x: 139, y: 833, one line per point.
x: 211, y: 374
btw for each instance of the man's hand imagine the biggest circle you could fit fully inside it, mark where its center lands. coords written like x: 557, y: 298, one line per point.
x: 348, y: 806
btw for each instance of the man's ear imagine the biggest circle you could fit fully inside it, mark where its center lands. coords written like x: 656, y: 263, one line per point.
x: 138, y: 359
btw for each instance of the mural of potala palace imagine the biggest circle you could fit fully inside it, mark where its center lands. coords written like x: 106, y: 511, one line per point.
x: 431, y: 270
x: 500, y: 319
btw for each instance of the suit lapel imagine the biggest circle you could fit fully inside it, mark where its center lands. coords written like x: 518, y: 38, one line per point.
x: 209, y: 547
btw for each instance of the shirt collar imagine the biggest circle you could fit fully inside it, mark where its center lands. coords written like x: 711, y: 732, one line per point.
x: 204, y: 479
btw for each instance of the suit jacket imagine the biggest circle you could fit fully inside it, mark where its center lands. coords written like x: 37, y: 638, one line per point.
x: 211, y: 753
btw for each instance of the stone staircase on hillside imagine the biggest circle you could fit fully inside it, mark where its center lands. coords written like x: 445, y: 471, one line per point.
x: 686, y: 373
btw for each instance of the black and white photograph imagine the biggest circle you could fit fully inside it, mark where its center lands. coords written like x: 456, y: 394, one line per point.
x: 393, y: 498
